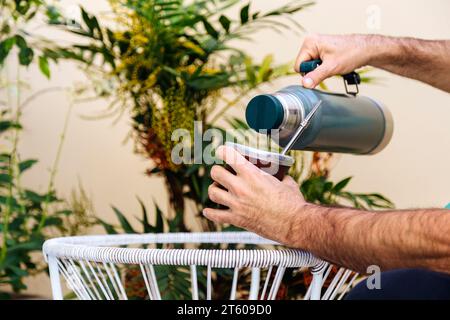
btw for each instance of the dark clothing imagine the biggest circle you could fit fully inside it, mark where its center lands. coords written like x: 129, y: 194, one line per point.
x: 405, y: 284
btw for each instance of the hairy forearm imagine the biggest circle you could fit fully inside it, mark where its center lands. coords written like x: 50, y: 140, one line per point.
x: 424, y: 60
x: 357, y: 239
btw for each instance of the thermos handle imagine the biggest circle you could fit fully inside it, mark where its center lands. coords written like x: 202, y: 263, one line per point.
x: 308, y: 66
x: 351, y: 78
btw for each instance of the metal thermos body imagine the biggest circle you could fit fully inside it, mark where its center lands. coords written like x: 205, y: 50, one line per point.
x: 344, y: 123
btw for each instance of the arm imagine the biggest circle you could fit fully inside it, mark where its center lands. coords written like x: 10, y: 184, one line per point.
x: 389, y: 239
x: 424, y: 60
x: 352, y: 238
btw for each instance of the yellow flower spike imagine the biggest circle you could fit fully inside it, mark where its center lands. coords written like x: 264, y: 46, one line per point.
x: 190, y: 45
x: 119, y: 35
x: 138, y: 39
x: 175, y: 113
x: 210, y: 71
x: 189, y: 69
x: 152, y: 78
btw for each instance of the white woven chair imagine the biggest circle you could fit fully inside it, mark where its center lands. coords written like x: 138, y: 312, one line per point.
x: 91, y: 265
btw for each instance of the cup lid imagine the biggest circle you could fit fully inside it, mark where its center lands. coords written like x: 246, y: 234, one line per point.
x: 262, y: 155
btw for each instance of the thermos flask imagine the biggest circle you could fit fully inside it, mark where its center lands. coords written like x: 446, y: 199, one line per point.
x: 345, y: 123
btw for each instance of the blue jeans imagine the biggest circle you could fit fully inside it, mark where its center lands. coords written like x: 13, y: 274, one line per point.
x: 405, y: 284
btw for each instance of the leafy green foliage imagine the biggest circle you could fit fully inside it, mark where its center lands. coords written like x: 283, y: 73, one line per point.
x: 27, y: 217
x: 29, y: 46
x: 5, y: 47
x: 319, y: 189
x: 160, y: 224
x: 21, y: 212
x: 43, y: 66
x: 181, y: 53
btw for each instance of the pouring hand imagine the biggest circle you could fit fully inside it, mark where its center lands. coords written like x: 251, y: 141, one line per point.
x: 424, y: 60
x: 340, y: 54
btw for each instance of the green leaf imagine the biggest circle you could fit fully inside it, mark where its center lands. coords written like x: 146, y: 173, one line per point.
x: 6, y: 125
x: 43, y: 66
x: 108, y: 227
x: 327, y: 186
x: 206, y: 181
x: 175, y: 222
x: 126, y: 226
x: 379, y: 201
x: 159, y: 225
x: 191, y: 169
x: 65, y: 212
x: 195, y: 185
x: 237, y: 123
x: 53, y: 221
x: 21, y: 42
x: 19, y: 272
x: 53, y: 15
x: 5, y: 178
x: 231, y: 228
x: 155, y: 170
x: 210, y: 29
x: 29, y: 246
x: 244, y: 14
x: 9, y: 201
x: 341, y: 184
x: 5, y: 47
x: 4, y: 295
x: 37, y: 198
x: 264, y: 70
x: 210, y: 82
x: 146, y: 225
x: 27, y: 164
x: 87, y: 20
x: 225, y: 22
x: 26, y: 56
x: 250, y: 72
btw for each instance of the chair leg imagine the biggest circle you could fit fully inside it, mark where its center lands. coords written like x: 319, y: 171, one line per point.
x: 316, y: 286
x: 54, y: 278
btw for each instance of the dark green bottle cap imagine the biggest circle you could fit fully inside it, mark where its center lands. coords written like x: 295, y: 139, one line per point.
x: 264, y: 112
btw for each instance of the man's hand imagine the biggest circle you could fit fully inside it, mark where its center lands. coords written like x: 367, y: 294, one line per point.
x: 340, y: 55
x: 424, y: 60
x: 256, y: 200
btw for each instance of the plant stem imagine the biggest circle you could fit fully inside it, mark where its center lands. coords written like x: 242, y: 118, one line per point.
x: 11, y: 167
x: 54, y: 168
x: 39, y: 93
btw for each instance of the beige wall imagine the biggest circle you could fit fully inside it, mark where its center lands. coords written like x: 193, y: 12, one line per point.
x: 413, y: 170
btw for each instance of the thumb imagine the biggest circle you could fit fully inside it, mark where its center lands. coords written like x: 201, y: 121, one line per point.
x: 313, y: 78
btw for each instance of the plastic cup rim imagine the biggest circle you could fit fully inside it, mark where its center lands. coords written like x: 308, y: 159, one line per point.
x: 262, y: 155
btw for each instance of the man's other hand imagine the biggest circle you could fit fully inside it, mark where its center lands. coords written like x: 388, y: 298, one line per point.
x: 256, y: 201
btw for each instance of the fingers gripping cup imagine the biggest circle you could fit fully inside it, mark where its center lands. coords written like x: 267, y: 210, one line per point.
x: 273, y: 163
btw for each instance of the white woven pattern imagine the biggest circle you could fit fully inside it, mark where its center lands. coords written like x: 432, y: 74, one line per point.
x: 88, y: 264
x: 96, y: 248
